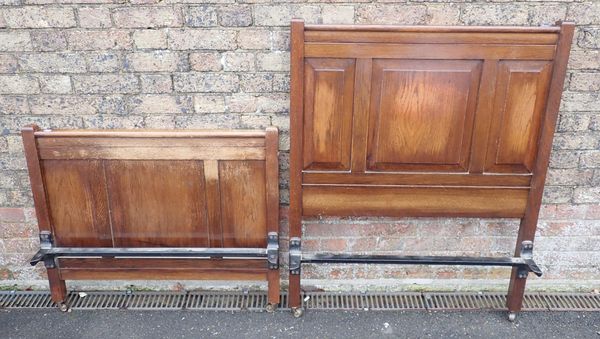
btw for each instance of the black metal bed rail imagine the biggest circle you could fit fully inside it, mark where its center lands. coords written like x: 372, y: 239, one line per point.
x: 48, y: 253
x: 524, y: 262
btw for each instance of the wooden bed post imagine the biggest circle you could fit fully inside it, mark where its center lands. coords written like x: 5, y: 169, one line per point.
x: 272, y: 194
x: 58, y: 288
x: 296, y: 114
x: 528, y: 224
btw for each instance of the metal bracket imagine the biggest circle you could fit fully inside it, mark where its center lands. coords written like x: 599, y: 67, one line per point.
x: 46, y: 240
x: 273, y: 250
x: 46, y: 243
x: 295, y: 256
x: 528, y: 264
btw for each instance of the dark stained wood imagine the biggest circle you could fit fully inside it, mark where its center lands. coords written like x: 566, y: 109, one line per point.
x: 35, y: 177
x: 162, y: 269
x: 243, y: 203
x: 413, y: 201
x: 431, y: 37
x: 521, y: 92
x: 447, y: 121
x: 154, y: 153
x: 404, y: 178
x: 272, y: 206
x: 296, y: 130
x: 78, y: 205
x: 58, y: 288
x: 329, y: 86
x: 528, y: 224
x: 362, y: 103
x: 483, y: 116
x: 132, y: 141
x: 432, y: 51
x: 212, y: 197
x: 148, y: 133
x: 434, y: 29
x: 157, y: 203
x: 421, y: 114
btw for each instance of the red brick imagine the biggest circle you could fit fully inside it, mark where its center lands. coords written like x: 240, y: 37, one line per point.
x: 26, y: 245
x: 283, y: 213
x: 332, y: 230
x: 334, y: 245
x: 311, y: 245
x: 14, y: 230
x: 568, y: 212
x: 388, y: 229
x: 548, y: 212
x: 556, y: 228
x: 362, y: 244
x: 9, y: 214
x: 593, y: 212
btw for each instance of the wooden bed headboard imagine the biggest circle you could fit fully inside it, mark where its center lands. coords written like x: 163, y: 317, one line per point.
x: 422, y: 121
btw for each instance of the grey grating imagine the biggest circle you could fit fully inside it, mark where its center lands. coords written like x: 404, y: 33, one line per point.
x: 464, y: 301
x: 25, y: 299
x: 572, y: 302
x: 256, y: 301
x: 370, y: 301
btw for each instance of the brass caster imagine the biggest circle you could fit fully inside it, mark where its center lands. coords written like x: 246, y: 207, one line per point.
x: 64, y: 307
x: 271, y: 308
x: 512, y: 316
x: 297, y: 312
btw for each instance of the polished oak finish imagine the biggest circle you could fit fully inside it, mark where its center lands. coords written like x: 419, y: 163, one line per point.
x: 145, y: 188
x: 423, y: 121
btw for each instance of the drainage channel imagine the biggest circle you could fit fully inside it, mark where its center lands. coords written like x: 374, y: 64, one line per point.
x: 256, y: 301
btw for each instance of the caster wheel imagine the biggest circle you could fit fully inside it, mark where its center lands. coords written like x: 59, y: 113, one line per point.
x: 64, y: 307
x: 512, y: 316
x: 297, y: 312
x: 271, y: 308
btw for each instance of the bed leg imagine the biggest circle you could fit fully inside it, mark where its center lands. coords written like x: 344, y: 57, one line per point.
x: 58, y: 289
x: 274, y: 290
x: 516, y: 290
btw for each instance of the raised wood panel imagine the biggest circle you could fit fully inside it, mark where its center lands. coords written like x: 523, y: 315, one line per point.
x: 243, y: 203
x: 421, y: 114
x: 78, y: 202
x: 521, y: 92
x: 329, y: 86
x: 414, y: 201
x: 157, y: 203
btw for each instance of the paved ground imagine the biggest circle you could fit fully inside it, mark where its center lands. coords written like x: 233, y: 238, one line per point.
x: 315, y: 324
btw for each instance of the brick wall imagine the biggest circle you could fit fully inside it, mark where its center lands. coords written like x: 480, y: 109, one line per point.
x: 191, y: 64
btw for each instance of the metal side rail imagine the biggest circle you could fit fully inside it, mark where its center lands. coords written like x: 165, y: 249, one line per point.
x: 48, y: 253
x: 524, y: 262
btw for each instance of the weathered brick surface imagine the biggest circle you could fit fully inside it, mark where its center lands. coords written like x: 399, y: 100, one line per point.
x: 145, y: 17
x: 225, y: 64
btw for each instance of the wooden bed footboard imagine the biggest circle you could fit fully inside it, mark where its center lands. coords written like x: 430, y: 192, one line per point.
x: 142, y: 204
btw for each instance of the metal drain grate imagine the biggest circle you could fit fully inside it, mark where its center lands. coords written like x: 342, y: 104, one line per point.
x: 25, y: 299
x: 572, y: 302
x: 371, y: 301
x: 232, y: 301
x: 256, y: 301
